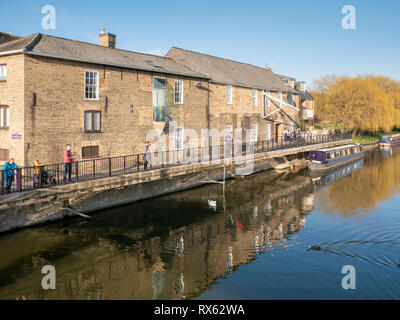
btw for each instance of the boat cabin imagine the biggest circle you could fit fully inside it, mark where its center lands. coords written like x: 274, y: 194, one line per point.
x: 386, y: 139
x: 324, y: 155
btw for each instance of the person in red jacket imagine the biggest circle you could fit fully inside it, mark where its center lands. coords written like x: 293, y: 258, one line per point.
x: 68, y: 159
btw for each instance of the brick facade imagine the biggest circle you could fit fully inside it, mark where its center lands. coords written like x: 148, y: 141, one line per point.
x: 46, y: 99
x: 241, y: 114
x: 57, y: 118
x: 12, y: 95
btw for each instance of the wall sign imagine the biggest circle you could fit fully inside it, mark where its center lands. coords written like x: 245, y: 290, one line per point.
x: 16, y: 136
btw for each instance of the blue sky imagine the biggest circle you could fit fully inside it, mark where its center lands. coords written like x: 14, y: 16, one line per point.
x: 301, y: 38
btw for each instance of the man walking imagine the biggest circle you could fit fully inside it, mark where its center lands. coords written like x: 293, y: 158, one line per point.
x: 68, y: 159
x: 8, y: 172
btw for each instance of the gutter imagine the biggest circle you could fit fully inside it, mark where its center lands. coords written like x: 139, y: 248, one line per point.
x: 115, y: 65
x: 7, y: 53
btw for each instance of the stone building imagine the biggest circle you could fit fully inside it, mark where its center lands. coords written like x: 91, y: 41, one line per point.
x: 101, y: 100
x: 107, y: 102
x: 306, y: 102
x: 243, y: 96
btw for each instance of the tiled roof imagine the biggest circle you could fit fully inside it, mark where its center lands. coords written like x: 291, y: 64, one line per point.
x: 229, y: 72
x: 5, y: 37
x: 50, y: 46
x: 306, y: 95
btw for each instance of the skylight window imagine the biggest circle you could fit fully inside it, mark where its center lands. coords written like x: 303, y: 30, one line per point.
x: 154, y: 64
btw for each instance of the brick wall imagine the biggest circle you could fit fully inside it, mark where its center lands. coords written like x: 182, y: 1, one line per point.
x: 241, y: 114
x: 58, y: 117
x: 12, y: 95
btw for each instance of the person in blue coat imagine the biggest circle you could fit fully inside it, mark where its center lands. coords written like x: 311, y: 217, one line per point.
x: 9, y: 173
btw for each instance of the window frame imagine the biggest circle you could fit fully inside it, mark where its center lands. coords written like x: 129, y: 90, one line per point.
x: 91, y: 157
x: 268, y: 134
x: 280, y: 98
x: 86, y: 85
x: 3, y: 65
x: 92, y: 112
x: 255, y: 132
x: 181, y: 141
x: 255, y: 98
x: 229, y: 94
x: 266, y: 99
x: 180, y: 85
x: 162, y: 108
x: 5, y: 115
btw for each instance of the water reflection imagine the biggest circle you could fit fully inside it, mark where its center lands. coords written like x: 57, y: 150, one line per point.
x: 361, y: 190
x: 175, y: 247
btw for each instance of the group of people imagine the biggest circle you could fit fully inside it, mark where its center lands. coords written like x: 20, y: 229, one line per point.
x: 11, y: 172
x: 291, y: 135
x: 231, y: 141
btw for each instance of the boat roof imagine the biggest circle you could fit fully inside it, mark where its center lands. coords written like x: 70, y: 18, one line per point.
x: 339, y: 148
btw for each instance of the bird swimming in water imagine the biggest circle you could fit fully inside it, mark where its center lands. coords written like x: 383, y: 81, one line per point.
x: 398, y: 264
x: 212, y: 205
x: 315, y: 248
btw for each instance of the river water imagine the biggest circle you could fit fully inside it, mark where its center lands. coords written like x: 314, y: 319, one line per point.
x: 255, y: 246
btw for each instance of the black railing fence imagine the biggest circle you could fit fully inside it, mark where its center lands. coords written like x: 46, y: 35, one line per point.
x: 29, y: 178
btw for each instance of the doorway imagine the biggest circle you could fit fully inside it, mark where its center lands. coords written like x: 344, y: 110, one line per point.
x: 277, y: 131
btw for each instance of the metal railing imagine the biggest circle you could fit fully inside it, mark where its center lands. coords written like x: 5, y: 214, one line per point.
x: 30, y: 178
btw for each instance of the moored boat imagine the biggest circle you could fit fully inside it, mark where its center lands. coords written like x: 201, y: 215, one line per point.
x: 387, y: 140
x: 326, y: 159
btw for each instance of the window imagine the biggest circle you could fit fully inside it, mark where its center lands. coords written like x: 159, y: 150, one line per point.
x: 90, y: 152
x: 280, y: 99
x: 92, y: 121
x: 268, y: 131
x: 4, y: 155
x: 159, y: 99
x: 178, y: 92
x: 266, y: 100
x: 229, y: 94
x: 178, y: 138
x: 255, y: 100
x: 3, y: 72
x: 255, y: 133
x: 91, y: 85
x: 4, y: 117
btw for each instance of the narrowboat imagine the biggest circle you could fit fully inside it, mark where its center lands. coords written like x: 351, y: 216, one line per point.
x: 387, y: 140
x: 327, y: 178
x: 326, y: 159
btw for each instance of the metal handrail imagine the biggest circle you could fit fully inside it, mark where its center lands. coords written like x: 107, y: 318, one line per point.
x: 27, y: 178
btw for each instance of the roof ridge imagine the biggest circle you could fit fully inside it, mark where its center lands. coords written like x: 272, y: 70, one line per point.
x: 37, y: 37
x: 97, y: 45
x: 225, y: 59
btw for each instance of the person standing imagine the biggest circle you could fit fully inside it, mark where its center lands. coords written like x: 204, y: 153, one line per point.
x: 228, y: 145
x: 8, y: 172
x: 68, y: 159
x: 147, y: 156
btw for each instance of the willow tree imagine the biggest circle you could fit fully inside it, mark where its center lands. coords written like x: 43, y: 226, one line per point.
x: 363, y: 103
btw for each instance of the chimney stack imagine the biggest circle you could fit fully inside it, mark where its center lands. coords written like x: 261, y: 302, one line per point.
x: 107, y: 39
